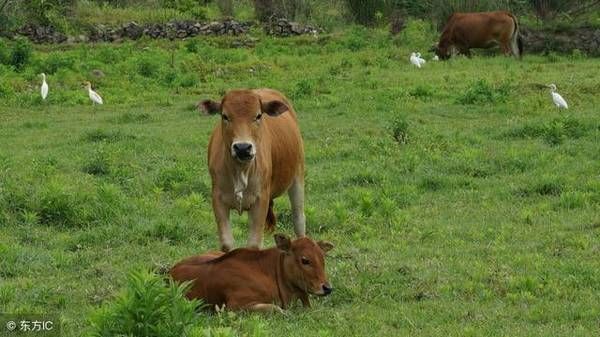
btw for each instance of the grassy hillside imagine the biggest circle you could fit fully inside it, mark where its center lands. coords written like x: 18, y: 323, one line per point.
x: 461, y: 202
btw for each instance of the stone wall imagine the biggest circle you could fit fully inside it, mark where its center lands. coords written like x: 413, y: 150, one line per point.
x: 586, y: 39
x: 170, y: 30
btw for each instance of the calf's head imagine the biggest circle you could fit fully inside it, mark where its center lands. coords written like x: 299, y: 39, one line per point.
x: 304, y: 264
x: 242, y: 118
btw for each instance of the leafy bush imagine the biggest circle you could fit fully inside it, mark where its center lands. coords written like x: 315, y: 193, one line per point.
x: 554, y: 132
x: 45, y: 12
x: 98, y: 164
x: 56, y: 61
x: 303, y: 88
x: 20, y: 54
x: 559, y: 129
x: 147, y: 308
x: 56, y: 205
x: 422, y: 92
x: 399, y: 128
x: 3, y: 51
x: 482, y: 92
x: 418, y: 34
x: 5, y: 89
x: 147, y: 66
x: 365, y: 12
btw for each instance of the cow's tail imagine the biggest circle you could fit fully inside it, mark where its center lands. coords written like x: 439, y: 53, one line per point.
x: 516, y: 42
x: 271, y: 219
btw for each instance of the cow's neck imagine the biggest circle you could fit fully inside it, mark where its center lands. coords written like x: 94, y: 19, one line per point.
x: 287, y: 290
x: 240, y: 174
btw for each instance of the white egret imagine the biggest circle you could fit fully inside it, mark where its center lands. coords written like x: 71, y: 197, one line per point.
x: 96, y: 99
x: 44, y: 88
x: 421, y: 60
x: 557, y: 98
x: 415, y: 60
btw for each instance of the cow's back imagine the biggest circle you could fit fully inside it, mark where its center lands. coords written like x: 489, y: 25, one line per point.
x: 217, y: 278
x: 286, y: 148
x: 476, y: 30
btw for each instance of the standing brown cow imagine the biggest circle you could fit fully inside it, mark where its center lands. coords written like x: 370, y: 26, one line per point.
x: 255, y: 154
x: 480, y: 30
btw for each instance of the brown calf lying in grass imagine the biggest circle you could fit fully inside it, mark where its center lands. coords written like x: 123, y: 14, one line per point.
x: 258, y: 280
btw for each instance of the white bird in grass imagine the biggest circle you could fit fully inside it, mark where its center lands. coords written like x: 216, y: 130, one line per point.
x: 44, y: 88
x: 415, y: 60
x: 96, y: 99
x: 435, y: 58
x: 421, y: 60
x: 557, y: 98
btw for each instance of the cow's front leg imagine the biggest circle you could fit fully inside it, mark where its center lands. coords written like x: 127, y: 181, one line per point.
x: 305, y: 301
x: 222, y: 217
x: 257, y: 215
x: 265, y: 307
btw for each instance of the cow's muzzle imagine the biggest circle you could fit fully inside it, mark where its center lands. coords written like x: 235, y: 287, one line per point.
x: 327, y: 289
x: 243, y: 151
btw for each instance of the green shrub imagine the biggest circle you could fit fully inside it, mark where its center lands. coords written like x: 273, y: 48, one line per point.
x: 98, y: 164
x: 554, y: 132
x: 131, y: 117
x: 422, y: 92
x: 57, y: 61
x: 20, y: 54
x: 559, y: 129
x: 5, y: 89
x: 365, y: 12
x: 147, y: 66
x: 419, y: 34
x: 56, y: 205
x: 4, y: 57
x: 399, y: 128
x: 187, y: 80
x: 147, y: 308
x: 303, y: 88
x: 482, y: 92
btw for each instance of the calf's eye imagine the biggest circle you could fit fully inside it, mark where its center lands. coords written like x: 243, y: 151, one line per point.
x: 305, y: 261
x: 258, y: 117
x: 225, y: 118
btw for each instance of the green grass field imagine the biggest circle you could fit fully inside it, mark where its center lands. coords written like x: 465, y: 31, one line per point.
x: 460, y: 201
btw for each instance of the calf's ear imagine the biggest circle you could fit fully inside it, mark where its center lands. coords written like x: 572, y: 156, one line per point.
x: 274, y: 108
x: 325, y: 245
x: 210, y: 107
x: 283, y: 242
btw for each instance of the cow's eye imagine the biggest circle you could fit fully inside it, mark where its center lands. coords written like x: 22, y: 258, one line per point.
x: 225, y: 118
x: 305, y: 261
x: 258, y: 117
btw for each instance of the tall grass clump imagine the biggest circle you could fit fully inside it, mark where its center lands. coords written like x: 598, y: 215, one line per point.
x: 366, y: 12
x: 146, y: 308
x: 418, y: 33
x: 399, y: 129
x: 483, y: 92
x: 20, y: 54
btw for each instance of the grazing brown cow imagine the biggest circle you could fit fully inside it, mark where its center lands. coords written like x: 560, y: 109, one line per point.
x: 255, y: 154
x: 480, y: 30
x: 259, y: 280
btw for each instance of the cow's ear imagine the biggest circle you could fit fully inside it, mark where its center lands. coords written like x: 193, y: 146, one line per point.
x: 210, y: 107
x: 274, y: 108
x: 283, y: 242
x: 325, y: 245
